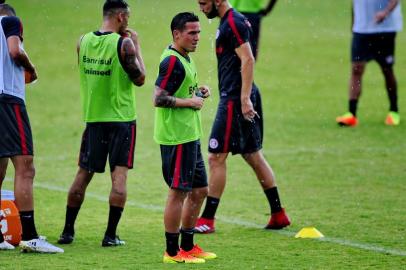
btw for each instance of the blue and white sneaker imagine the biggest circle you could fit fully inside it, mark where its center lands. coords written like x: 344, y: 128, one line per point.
x: 39, y: 245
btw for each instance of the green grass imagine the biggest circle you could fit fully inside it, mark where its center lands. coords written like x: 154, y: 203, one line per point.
x: 349, y: 183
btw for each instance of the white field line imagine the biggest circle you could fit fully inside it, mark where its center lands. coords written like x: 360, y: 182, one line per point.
x: 238, y: 222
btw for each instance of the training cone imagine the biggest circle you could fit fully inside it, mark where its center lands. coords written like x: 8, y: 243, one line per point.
x: 309, y: 232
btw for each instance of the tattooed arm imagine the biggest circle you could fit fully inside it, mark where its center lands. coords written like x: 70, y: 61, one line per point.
x: 132, y: 62
x: 163, y: 99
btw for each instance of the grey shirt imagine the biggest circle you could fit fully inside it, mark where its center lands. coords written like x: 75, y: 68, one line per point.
x: 364, y: 17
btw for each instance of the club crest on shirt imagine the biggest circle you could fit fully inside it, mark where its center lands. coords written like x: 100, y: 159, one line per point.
x: 213, y: 143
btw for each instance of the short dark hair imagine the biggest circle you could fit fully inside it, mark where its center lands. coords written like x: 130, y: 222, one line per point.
x: 6, y: 9
x: 180, y: 20
x: 110, y: 6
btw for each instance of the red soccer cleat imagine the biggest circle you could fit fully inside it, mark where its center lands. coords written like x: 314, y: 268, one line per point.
x: 204, y: 225
x: 347, y: 120
x: 198, y: 252
x: 278, y: 221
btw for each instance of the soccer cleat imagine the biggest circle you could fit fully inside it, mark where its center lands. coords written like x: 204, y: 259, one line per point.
x: 181, y: 257
x: 204, y: 225
x: 65, y: 238
x: 112, y: 242
x: 39, y: 245
x: 278, y: 221
x: 198, y: 252
x: 347, y: 120
x: 392, y: 119
x: 6, y: 246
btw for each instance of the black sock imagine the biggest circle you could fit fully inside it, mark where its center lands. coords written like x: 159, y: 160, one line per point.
x: 172, y: 243
x: 352, y: 106
x: 393, y: 100
x: 211, y: 207
x: 273, y: 199
x: 114, y: 218
x: 28, y: 225
x: 186, y: 242
x: 1, y: 237
x: 71, y: 214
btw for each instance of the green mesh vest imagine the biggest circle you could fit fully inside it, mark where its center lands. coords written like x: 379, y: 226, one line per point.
x: 106, y: 90
x: 179, y: 125
x: 249, y: 6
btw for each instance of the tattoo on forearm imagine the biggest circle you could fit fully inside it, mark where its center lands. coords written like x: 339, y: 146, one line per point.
x: 130, y: 63
x: 165, y: 101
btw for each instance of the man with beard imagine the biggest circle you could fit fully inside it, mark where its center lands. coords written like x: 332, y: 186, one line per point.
x: 238, y: 126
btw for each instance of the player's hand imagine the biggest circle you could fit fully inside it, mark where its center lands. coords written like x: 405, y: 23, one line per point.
x: 248, y: 110
x: 380, y: 16
x: 204, y: 90
x: 196, y: 102
x: 133, y: 35
x: 30, y: 75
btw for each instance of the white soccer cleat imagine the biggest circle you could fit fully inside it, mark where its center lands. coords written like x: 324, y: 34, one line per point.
x: 6, y: 246
x: 39, y: 245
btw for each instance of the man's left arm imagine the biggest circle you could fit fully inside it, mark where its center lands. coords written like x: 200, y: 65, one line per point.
x: 269, y: 7
x: 380, y: 16
x: 244, y: 52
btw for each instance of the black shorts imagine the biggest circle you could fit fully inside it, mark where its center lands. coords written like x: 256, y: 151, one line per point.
x: 113, y: 139
x: 232, y: 133
x: 379, y: 47
x: 183, y: 166
x: 15, y: 130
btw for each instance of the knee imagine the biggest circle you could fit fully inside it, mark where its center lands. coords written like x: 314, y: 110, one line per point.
x: 215, y: 161
x: 28, y: 172
x: 357, y: 70
x: 119, y: 185
x: 199, y: 194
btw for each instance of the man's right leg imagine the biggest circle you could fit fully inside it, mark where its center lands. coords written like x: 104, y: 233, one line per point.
x: 355, y: 87
x: 23, y: 192
x: 266, y: 178
x: 75, y: 199
x: 3, y: 169
x: 217, y: 183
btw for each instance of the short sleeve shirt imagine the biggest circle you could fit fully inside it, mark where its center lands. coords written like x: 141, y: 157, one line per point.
x: 12, y: 26
x: 171, y: 74
x: 364, y: 17
x: 234, y: 30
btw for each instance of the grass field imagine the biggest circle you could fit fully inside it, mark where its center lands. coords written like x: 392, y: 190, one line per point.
x: 348, y: 183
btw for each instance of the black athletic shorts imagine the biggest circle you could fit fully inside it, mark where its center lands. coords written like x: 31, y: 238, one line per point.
x: 183, y: 166
x: 379, y: 47
x: 113, y: 139
x: 232, y: 133
x: 15, y: 131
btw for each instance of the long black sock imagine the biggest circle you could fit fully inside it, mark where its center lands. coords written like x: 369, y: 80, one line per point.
x: 172, y: 243
x: 186, y: 242
x: 393, y: 99
x: 114, y: 218
x: 28, y: 225
x: 273, y: 199
x: 352, y: 106
x: 70, y: 218
x: 391, y: 88
x: 211, y: 207
x: 1, y: 237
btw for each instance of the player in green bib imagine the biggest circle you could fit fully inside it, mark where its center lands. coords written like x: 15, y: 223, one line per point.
x: 178, y: 101
x: 254, y: 11
x: 110, y: 63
